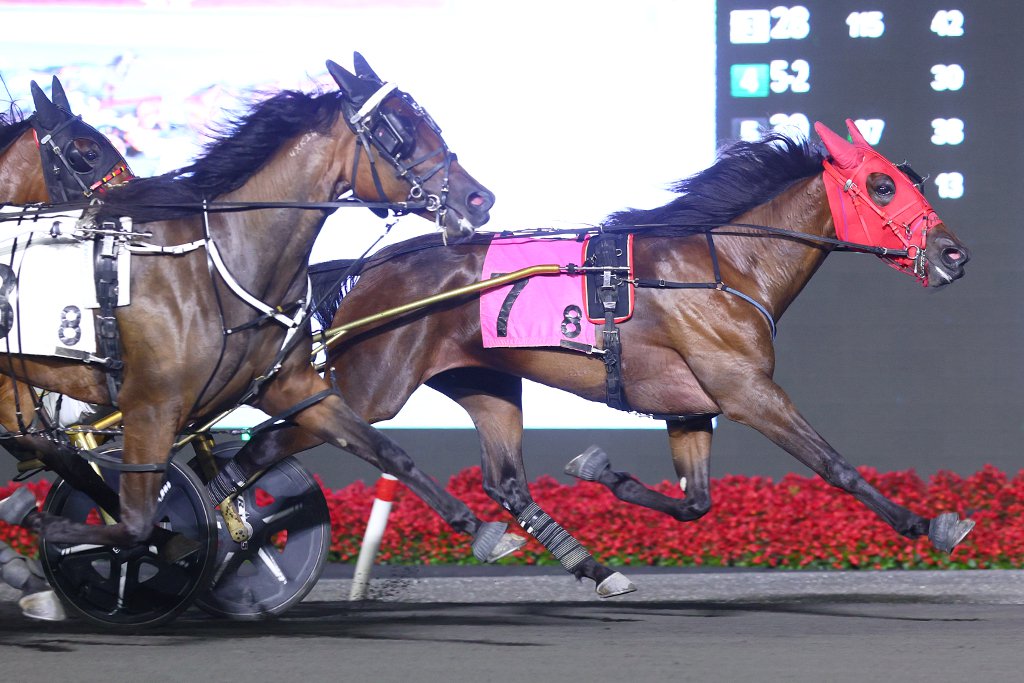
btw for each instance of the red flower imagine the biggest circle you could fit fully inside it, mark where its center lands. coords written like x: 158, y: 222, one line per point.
x: 797, y: 522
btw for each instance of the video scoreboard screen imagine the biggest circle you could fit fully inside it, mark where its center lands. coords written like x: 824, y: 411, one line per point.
x: 940, y: 84
x: 937, y: 81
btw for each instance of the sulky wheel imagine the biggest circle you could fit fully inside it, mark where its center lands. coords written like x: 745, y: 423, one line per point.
x: 284, y: 557
x: 133, y: 586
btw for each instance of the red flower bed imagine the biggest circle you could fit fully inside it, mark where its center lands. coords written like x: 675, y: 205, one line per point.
x: 796, y: 522
x: 16, y: 537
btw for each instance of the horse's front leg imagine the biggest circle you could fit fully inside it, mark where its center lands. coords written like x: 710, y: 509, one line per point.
x: 146, y: 442
x: 753, y: 399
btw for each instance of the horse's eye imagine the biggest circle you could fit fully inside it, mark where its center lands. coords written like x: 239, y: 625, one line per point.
x: 882, y: 188
x: 92, y: 155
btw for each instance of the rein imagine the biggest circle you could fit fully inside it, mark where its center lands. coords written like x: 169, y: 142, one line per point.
x: 838, y: 244
x: 30, y: 212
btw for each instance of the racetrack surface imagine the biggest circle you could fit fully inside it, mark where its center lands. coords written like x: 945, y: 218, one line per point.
x: 530, y: 624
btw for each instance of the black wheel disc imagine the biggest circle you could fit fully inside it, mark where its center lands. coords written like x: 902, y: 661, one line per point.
x: 285, y: 556
x: 133, y: 586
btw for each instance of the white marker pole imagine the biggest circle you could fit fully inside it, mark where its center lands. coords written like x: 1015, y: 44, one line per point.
x: 387, y: 487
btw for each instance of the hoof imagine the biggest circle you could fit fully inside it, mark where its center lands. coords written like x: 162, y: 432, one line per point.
x: 508, y: 544
x: 44, y: 606
x: 589, y: 464
x: 616, y: 584
x: 15, y: 507
x: 487, y: 539
x: 947, y: 530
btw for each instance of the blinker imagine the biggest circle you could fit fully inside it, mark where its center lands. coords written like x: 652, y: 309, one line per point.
x: 901, y: 226
x: 391, y: 136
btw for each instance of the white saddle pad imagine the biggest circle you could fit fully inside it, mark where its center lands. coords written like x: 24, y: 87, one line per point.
x: 48, y: 287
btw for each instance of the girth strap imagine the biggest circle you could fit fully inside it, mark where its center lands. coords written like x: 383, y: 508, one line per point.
x: 282, y: 419
x: 108, y: 340
x: 608, y: 292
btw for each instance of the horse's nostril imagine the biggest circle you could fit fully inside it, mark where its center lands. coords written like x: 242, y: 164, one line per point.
x: 480, y: 201
x: 952, y: 256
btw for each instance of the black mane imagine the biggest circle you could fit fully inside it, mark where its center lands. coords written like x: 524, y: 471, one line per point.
x: 746, y: 175
x: 11, y: 127
x: 239, y: 150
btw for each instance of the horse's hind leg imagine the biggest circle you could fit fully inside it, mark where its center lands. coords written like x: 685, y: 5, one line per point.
x: 38, y: 601
x: 690, y: 443
x: 494, y: 403
x: 333, y: 421
x: 17, y: 400
x: 22, y: 573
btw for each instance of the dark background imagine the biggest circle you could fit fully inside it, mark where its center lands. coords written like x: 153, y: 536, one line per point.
x: 894, y: 376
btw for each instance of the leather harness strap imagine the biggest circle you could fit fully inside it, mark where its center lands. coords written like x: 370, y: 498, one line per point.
x: 108, y: 339
x: 608, y: 292
x: 717, y: 284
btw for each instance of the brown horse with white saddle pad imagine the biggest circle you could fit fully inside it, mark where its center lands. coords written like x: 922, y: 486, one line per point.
x: 219, y: 297
x: 51, y: 156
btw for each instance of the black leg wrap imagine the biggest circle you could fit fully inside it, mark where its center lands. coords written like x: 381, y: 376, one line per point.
x: 552, y: 536
x: 229, y: 481
x: 17, y: 506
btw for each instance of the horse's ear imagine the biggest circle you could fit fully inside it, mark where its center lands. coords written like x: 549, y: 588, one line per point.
x: 47, y: 113
x: 844, y: 155
x: 363, y: 69
x: 351, y: 86
x: 60, y: 98
x: 855, y: 134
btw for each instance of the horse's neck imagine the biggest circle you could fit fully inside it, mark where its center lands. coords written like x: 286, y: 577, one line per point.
x: 282, y: 239
x: 21, y: 177
x: 778, y: 268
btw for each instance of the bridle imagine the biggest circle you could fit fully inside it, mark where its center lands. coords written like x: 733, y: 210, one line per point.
x: 899, y: 225
x: 380, y: 130
x: 67, y: 175
x: 909, y: 223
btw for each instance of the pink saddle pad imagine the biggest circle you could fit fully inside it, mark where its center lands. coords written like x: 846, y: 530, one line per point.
x: 538, y: 311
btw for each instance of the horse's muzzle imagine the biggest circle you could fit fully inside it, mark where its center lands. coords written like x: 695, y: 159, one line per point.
x: 465, y: 217
x: 949, y: 263
x: 478, y: 206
